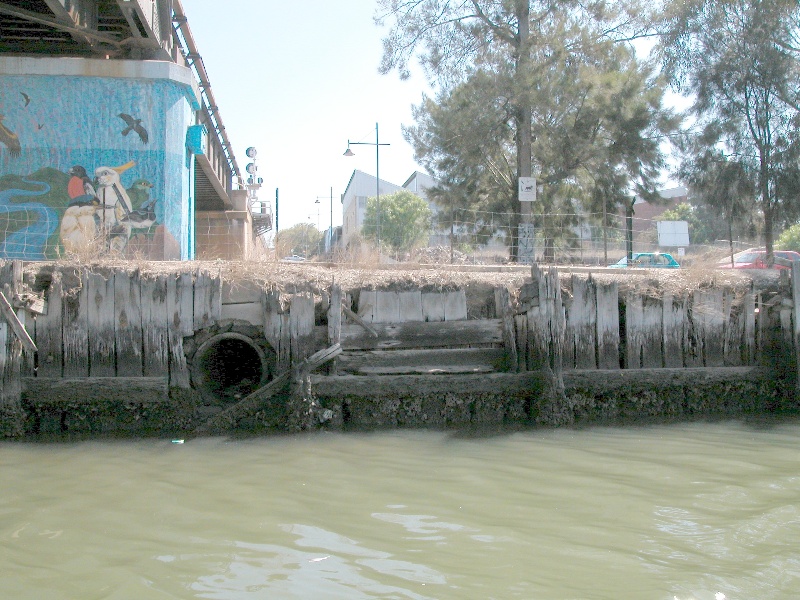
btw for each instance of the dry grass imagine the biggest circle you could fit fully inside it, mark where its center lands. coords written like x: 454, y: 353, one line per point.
x: 271, y: 274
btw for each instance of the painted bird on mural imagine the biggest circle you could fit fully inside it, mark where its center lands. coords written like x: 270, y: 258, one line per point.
x: 10, y: 139
x: 114, y: 205
x: 139, y: 193
x: 26, y: 98
x: 143, y: 217
x: 134, y: 125
x: 79, y: 187
x: 144, y: 213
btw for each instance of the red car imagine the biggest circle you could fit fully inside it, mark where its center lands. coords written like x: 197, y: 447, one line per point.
x: 757, y: 259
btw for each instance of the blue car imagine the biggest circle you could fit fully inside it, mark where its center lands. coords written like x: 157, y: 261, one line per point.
x: 647, y: 260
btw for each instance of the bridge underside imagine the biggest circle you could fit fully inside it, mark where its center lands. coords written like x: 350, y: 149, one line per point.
x: 105, y: 28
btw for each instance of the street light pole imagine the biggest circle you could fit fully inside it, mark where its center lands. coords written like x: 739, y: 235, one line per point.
x: 377, y: 145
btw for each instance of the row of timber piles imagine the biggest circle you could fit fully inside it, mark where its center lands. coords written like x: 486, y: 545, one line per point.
x: 107, y: 350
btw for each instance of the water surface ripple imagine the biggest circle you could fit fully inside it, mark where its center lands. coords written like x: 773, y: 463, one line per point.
x: 685, y: 511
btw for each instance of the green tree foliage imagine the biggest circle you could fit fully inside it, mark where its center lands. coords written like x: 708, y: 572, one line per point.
x: 404, y: 221
x: 541, y: 88
x: 302, y: 239
x: 739, y: 59
x: 789, y: 239
x: 705, y: 226
x: 721, y: 187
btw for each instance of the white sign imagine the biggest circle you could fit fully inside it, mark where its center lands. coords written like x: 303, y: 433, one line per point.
x: 527, y: 189
x: 673, y: 233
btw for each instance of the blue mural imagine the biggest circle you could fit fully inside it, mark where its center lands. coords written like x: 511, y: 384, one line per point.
x: 93, y: 163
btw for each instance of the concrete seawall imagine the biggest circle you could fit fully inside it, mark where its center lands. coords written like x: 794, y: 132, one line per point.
x: 190, y: 349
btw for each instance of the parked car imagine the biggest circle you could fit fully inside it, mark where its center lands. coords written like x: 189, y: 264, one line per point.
x: 756, y: 258
x: 647, y: 260
x: 294, y: 258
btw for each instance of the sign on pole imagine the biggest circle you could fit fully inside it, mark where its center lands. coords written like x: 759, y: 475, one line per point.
x: 527, y: 189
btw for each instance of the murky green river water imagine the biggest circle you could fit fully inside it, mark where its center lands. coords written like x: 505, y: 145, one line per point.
x: 656, y: 512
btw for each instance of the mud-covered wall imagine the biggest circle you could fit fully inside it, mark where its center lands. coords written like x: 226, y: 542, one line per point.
x: 169, y: 349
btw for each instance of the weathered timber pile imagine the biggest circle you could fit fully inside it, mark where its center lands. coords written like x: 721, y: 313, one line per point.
x: 204, y: 346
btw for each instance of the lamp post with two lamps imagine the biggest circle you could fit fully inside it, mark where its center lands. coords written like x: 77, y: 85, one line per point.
x: 377, y: 145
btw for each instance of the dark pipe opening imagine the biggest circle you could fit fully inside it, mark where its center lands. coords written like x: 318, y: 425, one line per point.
x: 230, y: 367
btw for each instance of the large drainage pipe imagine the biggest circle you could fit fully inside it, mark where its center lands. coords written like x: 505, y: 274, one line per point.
x: 229, y: 366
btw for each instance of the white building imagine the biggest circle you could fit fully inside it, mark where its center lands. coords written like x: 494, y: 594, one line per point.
x: 362, y: 186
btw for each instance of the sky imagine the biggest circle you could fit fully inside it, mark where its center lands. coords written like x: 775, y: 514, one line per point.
x: 297, y: 80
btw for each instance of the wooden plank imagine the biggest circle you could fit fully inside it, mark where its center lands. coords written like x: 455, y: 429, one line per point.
x: 301, y: 327
x: 582, y: 325
x: 271, y: 305
x: 633, y: 330
x: 410, y: 309
x: 231, y: 414
x: 538, y: 341
x: 75, y: 310
x: 335, y: 315
x: 5, y: 356
x: 607, y: 295
x: 734, y: 331
x: 432, y: 306
x: 652, y: 332
x: 673, y: 320
x: 240, y: 292
x: 466, y: 360
x: 334, y: 323
x: 709, y: 323
x: 521, y: 334
x: 455, y: 306
x: 10, y: 378
x: 749, y: 324
x: 15, y: 325
x: 11, y: 274
x: 252, y: 312
x: 387, y: 308
x: 128, y: 328
x: 155, y: 326
x: 101, y: 319
x: 558, y: 325
x: 502, y: 302
x: 423, y: 335
x: 207, y: 300
x: 180, y: 315
x: 357, y: 318
x: 367, y: 305
x: 762, y: 323
x: 49, y: 334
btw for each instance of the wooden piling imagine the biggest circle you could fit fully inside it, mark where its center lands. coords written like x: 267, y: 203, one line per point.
x: 581, y: 335
x: 155, y: 326
x: 607, y: 296
x: 334, y: 322
x: 180, y: 312
x: 128, y: 324
x: 48, y: 332
x: 75, y: 321
x: 101, y: 321
x: 502, y: 301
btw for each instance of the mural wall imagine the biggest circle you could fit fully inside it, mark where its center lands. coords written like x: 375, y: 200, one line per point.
x: 94, y: 165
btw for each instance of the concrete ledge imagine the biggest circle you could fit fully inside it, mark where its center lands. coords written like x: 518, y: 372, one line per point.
x: 156, y: 70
